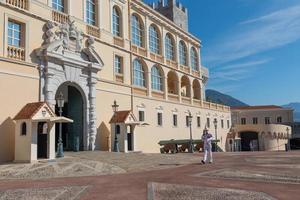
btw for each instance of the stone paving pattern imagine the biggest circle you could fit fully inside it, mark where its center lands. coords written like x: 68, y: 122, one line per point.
x: 127, y: 176
x: 174, y: 191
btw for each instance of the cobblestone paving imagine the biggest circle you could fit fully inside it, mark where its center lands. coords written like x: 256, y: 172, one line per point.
x: 159, y: 191
x: 66, y: 167
x: 135, y: 162
x: 252, y: 174
x: 62, y: 193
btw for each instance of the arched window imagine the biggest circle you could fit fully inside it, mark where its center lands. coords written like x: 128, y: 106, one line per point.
x: 138, y: 74
x: 58, y: 5
x: 156, y: 78
x: 91, y: 12
x: 194, y: 59
x: 182, y: 53
x: 116, y: 22
x: 169, y: 47
x: 154, y: 40
x: 136, y: 31
x: 23, y: 128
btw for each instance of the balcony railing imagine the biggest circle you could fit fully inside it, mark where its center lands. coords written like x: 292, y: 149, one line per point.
x: 196, y: 73
x: 16, y: 53
x: 158, y: 94
x: 93, y: 31
x: 22, y: 4
x: 185, y: 100
x: 59, y: 17
x: 204, y: 72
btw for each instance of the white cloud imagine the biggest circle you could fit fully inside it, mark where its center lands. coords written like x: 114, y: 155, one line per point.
x: 257, y: 35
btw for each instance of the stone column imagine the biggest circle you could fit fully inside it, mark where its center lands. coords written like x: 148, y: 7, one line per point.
x: 149, y: 84
x: 92, y: 113
x: 179, y: 90
x: 165, y: 88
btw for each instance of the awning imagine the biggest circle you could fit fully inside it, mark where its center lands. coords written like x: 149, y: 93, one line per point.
x: 54, y: 119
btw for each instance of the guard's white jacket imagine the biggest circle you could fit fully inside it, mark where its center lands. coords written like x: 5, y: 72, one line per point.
x: 207, y: 138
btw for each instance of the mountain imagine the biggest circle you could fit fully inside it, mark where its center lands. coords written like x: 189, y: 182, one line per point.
x: 218, y: 97
x: 296, y: 107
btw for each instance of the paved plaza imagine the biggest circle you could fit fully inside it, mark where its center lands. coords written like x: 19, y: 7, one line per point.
x: 105, y: 175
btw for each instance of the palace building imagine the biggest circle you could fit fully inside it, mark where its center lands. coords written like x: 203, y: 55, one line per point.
x: 94, y: 52
x: 260, y: 128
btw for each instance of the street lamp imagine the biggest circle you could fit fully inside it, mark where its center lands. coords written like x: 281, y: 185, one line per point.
x: 115, y: 107
x: 191, y: 147
x: 216, y: 134
x: 288, y: 135
x: 60, y: 104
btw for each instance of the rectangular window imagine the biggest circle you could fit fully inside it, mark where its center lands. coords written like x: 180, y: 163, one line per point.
x: 187, y: 121
x: 243, y: 121
x: 58, y: 5
x: 255, y: 120
x: 267, y: 120
x: 174, y: 120
x: 279, y: 119
x: 14, y: 35
x: 222, y: 123
x: 228, y: 124
x: 91, y: 12
x: 198, y: 121
x: 118, y: 65
x: 208, y: 122
x: 159, y: 119
x: 141, y: 115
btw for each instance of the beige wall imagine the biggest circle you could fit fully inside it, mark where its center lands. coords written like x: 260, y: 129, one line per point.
x: 19, y: 85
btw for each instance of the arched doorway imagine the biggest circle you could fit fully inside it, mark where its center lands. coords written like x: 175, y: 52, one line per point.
x: 249, y: 141
x: 72, y: 133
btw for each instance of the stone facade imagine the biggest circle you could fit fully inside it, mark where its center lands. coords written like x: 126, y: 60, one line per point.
x: 61, y: 50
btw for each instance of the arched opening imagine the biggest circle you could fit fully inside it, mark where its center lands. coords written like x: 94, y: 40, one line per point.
x: 24, y: 129
x: 72, y: 133
x: 169, y: 47
x: 154, y: 39
x: 185, y: 87
x: 196, y: 89
x: 137, y: 30
x: 172, y: 83
x: 249, y: 141
x: 117, y: 21
x: 157, y: 78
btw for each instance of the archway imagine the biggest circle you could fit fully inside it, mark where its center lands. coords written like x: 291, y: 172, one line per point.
x: 72, y: 133
x: 249, y: 141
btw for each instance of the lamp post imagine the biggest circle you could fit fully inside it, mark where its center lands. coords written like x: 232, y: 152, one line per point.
x: 191, y: 147
x: 60, y: 104
x: 216, y: 134
x: 288, y: 135
x: 115, y: 107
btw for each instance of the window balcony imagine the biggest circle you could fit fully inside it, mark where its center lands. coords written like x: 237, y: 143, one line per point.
x: 139, y: 50
x: 140, y: 91
x: 197, y: 102
x: 59, y: 17
x: 93, y: 31
x: 22, y: 4
x: 16, y: 53
x: 196, y: 73
x: 186, y: 100
x: 172, y: 64
x: 173, y: 97
x: 156, y: 57
x: 119, y: 41
x: 157, y: 94
x: 119, y: 78
x: 185, y: 68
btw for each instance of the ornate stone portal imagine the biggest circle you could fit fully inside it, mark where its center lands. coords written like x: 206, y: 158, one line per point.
x: 63, y: 59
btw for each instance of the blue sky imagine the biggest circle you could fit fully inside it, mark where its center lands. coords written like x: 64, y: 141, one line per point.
x: 251, y: 47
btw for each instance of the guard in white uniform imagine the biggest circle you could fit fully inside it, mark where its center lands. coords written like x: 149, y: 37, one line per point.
x: 207, y: 138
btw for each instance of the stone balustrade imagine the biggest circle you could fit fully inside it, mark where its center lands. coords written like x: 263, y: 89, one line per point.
x: 59, y: 17
x: 22, y: 4
x: 16, y: 53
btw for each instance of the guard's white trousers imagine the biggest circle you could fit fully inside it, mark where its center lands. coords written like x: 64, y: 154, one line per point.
x: 207, y: 154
